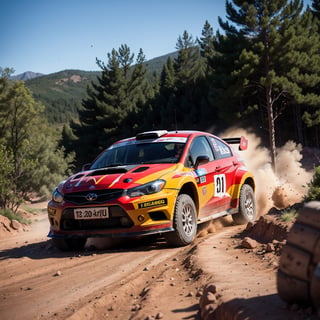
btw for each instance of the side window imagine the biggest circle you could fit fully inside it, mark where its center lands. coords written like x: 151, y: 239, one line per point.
x: 199, y: 147
x: 221, y: 150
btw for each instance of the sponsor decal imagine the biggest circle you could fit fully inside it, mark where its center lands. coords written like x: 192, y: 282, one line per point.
x: 220, y: 185
x: 204, y: 190
x: 154, y: 203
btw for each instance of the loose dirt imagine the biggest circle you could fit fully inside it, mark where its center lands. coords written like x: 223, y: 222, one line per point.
x: 144, y: 278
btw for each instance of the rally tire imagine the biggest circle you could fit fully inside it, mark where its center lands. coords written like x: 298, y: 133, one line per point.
x: 69, y: 244
x: 184, y: 222
x: 298, y: 276
x: 292, y: 290
x: 247, y: 206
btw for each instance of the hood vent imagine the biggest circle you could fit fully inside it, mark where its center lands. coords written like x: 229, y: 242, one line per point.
x: 104, y: 171
x: 140, y: 169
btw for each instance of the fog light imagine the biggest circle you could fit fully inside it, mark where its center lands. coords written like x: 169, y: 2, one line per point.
x: 140, y: 218
x: 125, y: 221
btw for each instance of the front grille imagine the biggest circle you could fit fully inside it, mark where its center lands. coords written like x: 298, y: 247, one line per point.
x: 80, y: 198
x: 118, y: 218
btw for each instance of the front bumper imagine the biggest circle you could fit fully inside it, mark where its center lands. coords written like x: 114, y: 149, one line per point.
x: 127, y: 217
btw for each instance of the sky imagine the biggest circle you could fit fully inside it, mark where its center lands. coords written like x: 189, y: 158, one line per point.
x: 48, y: 36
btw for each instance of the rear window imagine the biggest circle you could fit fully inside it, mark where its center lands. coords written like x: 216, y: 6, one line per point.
x: 221, y: 149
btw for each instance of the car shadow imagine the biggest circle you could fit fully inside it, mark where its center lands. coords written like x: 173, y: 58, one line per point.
x: 46, y: 249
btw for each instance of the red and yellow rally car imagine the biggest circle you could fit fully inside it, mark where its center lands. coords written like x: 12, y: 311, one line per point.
x: 156, y: 182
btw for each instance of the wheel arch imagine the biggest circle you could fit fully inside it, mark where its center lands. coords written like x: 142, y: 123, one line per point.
x: 242, y: 179
x: 190, y: 189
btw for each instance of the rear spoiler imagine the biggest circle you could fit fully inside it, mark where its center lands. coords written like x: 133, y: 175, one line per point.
x: 242, y: 141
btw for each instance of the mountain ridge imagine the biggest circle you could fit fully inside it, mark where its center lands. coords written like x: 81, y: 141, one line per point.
x: 27, y: 75
x: 62, y: 92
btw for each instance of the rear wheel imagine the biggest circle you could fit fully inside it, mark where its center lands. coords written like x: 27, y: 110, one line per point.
x: 69, y: 244
x: 184, y: 222
x: 247, y: 206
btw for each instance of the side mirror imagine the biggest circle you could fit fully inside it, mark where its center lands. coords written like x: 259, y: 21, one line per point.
x: 86, y: 166
x: 200, y: 161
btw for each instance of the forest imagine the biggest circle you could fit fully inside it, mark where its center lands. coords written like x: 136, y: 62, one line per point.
x: 259, y: 71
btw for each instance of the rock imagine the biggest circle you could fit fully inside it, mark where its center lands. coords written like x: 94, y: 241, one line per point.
x: 270, y: 247
x: 249, y: 243
x: 159, y: 315
x: 136, y: 307
x: 16, y: 225
x: 144, y: 292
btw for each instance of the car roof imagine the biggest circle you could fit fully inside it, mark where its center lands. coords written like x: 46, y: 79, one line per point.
x: 152, y: 135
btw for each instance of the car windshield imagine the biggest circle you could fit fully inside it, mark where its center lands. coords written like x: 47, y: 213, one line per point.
x: 140, y: 153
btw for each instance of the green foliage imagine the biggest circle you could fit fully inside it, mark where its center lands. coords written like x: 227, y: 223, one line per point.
x: 267, y: 57
x: 111, y: 109
x: 289, y: 215
x: 314, y: 187
x: 14, y: 216
x: 62, y: 92
x: 32, y: 161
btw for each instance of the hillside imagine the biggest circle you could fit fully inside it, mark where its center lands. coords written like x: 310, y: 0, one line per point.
x: 62, y: 92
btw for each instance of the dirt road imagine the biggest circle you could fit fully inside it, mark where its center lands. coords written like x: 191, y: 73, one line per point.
x: 137, y: 279
x: 114, y: 281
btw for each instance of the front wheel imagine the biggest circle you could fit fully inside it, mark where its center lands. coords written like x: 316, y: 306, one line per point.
x: 184, y: 222
x: 69, y: 244
x: 247, y: 206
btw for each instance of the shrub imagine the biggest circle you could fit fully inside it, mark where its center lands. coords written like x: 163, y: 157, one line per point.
x: 14, y: 216
x: 314, y: 187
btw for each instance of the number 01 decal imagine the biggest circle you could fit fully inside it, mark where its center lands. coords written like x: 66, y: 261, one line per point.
x: 219, y: 185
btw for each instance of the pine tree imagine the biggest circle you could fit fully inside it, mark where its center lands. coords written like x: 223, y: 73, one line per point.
x: 312, y: 117
x: 188, y: 71
x: 111, y: 110
x: 165, y: 108
x: 206, y: 43
x: 316, y: 9
x: 275, y: 57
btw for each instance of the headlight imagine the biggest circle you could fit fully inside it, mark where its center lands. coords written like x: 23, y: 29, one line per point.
x: 57, y: 196
x: 148, y: 188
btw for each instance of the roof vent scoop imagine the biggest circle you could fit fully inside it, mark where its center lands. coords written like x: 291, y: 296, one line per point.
x: 151, y: 134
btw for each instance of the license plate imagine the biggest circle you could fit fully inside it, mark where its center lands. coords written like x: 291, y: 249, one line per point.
x: 91, y: 213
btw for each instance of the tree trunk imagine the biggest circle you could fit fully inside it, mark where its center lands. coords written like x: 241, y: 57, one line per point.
x: 272, y: 142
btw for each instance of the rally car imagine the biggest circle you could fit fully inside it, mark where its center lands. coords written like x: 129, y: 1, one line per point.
x: 156, y: 182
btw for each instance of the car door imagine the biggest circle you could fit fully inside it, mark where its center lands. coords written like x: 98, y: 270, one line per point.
x: 215, y: 177
x: 224, y: 168
x: 205, y: 176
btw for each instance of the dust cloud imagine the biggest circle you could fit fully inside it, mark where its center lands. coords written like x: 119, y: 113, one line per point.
x: 285, y: 186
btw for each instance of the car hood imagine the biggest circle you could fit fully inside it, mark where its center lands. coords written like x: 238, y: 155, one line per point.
x: 120, y: 177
